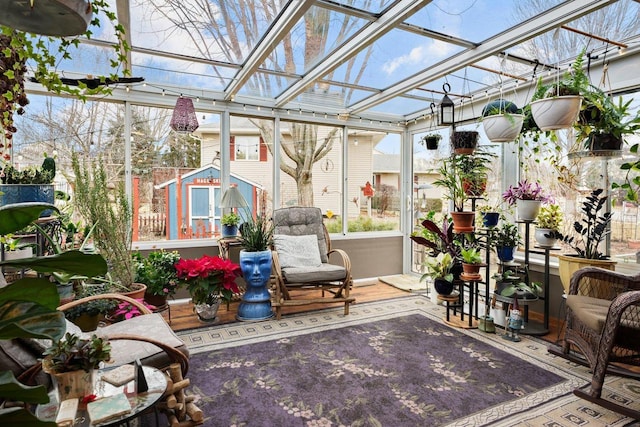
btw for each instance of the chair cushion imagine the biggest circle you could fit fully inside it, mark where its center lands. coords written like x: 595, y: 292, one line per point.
x: 324, y: 273
x: 150, y: 325
x: 590, y: 311
x: 297, y: 251
x: 299, y: 221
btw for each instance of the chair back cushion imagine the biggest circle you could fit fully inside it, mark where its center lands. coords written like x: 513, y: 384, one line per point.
x: 297, y: 251
x: 300, y: 221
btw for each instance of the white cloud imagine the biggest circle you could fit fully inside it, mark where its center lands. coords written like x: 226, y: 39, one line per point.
x: 421, y: 55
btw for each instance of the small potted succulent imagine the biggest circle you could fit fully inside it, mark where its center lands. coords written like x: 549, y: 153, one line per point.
x: 548, y: 224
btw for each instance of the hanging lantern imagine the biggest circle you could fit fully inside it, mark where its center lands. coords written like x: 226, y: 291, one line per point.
x: 447, y: 107
x: 184, y: 118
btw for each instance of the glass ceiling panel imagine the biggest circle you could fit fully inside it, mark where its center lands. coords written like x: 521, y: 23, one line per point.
x: 394, y: 57
x: 266, y: 85
x: 375, y: 6
x: 222, y: 30
x: 157, y: 69
x: 304, y: 47
x: 475, y: 20
x: 401, y: 105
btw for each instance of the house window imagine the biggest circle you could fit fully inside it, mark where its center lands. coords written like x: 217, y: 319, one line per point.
x: 247, y: 148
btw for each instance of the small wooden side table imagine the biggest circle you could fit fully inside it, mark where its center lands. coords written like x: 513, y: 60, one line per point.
x: 225, y: 244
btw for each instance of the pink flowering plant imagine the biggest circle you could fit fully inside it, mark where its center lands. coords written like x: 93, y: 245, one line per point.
x: 209, y: 278
x: 126, y: 310
x: 526, y: 190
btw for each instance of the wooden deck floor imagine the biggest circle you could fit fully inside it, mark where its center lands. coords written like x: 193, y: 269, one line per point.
x: 182, y: 316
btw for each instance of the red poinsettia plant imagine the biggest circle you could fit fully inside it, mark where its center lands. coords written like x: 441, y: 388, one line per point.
x: 209, y: 278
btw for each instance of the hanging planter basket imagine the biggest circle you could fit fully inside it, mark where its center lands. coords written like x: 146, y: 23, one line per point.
x: 431, y: 142
x: 560, y: 112
x: 464, y: 142
x: 604, y: 142
x: 503, y: 127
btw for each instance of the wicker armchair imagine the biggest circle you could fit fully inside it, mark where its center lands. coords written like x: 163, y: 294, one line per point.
x: 332, y: 280
x: 603, y: 324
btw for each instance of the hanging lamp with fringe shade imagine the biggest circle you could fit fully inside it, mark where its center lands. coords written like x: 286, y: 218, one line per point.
x: 184, y: 118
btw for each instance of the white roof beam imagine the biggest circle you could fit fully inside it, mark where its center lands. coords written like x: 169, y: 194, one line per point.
x: 280, y: 28
x: 553, y: 18
x: 396, y: 14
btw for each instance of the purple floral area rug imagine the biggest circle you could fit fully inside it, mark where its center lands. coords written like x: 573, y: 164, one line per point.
x: 403, y: 371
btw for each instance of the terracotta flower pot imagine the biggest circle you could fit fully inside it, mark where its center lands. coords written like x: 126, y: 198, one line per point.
x: 463, y: 221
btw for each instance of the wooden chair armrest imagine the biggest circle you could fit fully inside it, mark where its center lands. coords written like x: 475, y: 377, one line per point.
x: 346, y: 261
x: 141, y: 307
x: 175, y: 355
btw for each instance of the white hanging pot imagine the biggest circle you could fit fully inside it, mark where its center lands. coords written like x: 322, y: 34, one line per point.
x: 556, y: 113
x: 502, y: 127
x: 527, y: 210
x: 542, y: 239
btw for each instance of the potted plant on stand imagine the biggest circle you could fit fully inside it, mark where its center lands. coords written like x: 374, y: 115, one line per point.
x: 112, y: 236
x: 229, y: 223
x: 502, y: 121
x: 506, y: 239
x: 208, y: 279
x: 471, y: 263
x: 438, y: 268
x: 473, y: 172
x: 158, y: 271
x: 590, y: 231
x: 527, y: 197
x: 256, y: 263
x: 451, y: 180
x: 548, y: 224
x: 606, y: 123
x: 72, y: 362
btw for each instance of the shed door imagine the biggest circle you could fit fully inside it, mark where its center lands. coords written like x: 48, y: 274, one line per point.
x: 203, y: 208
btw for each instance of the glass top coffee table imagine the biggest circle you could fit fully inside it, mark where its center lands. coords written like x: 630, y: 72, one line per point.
x: 140, y: 403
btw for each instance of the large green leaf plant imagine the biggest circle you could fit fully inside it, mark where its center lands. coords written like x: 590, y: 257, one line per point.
x: 28, y: 307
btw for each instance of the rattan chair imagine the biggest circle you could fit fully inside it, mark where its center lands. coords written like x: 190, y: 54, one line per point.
x: 334, y: 281
x: 603, y: 325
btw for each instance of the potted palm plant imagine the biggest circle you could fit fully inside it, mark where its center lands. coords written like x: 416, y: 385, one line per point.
x: 590, y: 231
x: 255, y: 262
x: 451, y: 180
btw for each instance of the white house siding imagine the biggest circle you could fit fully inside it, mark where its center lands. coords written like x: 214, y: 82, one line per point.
x: 359, y: 170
